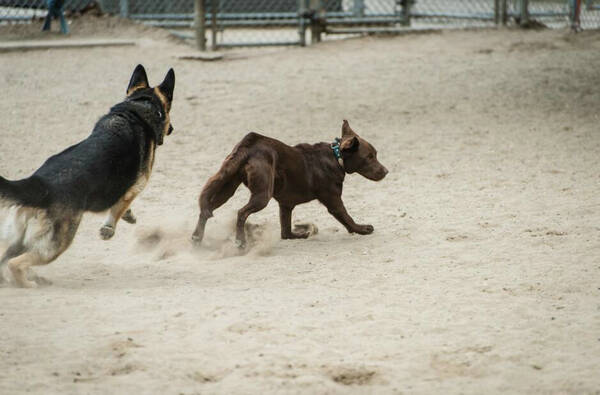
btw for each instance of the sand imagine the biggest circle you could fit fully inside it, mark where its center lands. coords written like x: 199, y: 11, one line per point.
x: 482, y: 275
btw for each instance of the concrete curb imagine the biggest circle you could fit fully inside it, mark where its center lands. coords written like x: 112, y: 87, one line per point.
x: 61, y: 44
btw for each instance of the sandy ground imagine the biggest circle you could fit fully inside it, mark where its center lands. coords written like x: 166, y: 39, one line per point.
x: 482, y: 276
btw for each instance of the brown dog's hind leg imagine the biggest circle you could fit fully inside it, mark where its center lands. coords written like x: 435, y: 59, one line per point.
x: 214, y: 202
x: 257, y: 202
x: 261, y: 178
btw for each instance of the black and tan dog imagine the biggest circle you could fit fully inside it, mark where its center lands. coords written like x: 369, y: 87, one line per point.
x: 39, y: 215
x: 291, y: 175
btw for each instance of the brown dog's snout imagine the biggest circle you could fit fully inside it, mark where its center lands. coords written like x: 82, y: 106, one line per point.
x: 383, y: 171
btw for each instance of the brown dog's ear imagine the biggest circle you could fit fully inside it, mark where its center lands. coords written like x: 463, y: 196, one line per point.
x: 138, y: 80
x: 349, y: 144
x: 168, y: 85
x: 346, y: 129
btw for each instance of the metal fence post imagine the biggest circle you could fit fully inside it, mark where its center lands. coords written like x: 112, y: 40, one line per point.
x: 316, y: 29
x: 504, y: 11
x: 301, y: 22
x: 124, y: 8
x: 214, y: 11
x: 524, y: 12
x: 574, y: 15
x: 200, y: 24
x: 405, y: 12
x: 497, y: 12
x: 359, y: 8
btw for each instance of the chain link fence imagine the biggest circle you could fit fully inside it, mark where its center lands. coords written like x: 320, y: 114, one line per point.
x: 557, y: 13
x: 296, y: 22
x: 24, y: 11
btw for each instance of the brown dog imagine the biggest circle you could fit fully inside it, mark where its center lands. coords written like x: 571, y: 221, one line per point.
x: 292, y: 175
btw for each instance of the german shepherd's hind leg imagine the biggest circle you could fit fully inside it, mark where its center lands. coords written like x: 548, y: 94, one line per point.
x: 13, y: 224
x: 46, y: 238
x: 261, y: 179
x: 211, y: 198
x: 20, y: 265
x: 12, y: 251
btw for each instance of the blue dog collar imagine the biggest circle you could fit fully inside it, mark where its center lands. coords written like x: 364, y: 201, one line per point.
x: 335, y: 147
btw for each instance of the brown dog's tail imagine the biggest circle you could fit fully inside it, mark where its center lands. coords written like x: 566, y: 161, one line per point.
x: 229, y: 169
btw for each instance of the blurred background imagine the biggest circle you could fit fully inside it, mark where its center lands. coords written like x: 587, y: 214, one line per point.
x: 226, y: 23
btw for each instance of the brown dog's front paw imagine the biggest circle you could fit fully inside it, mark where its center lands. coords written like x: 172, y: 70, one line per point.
x: 197, y: 239
x: 295, y: 235
x: 240, y: 244
x: 365, y: 229
x: 306, y: 229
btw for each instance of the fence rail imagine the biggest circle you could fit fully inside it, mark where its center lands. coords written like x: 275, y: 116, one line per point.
x: 295, y: 22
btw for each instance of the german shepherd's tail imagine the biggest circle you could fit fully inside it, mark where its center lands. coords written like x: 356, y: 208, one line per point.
x: 31, y: 192
x: 7, y: 195
x: 229, y: 169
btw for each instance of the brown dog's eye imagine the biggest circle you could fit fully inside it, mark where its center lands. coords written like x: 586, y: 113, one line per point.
x: 371, y: 156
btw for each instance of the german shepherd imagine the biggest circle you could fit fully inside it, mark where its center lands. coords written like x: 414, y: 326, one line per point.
x: 39, y: 215
x: 291, y: 175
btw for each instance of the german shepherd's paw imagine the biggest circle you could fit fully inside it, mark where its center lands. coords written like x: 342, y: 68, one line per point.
x: 4, y: 274
x: 27, y: 284
x: 21, y: 280
x: 39, y: 280
x: 129, y: 217
x: 106, y: 232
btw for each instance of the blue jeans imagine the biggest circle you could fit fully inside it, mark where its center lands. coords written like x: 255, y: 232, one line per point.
x: 55, y: 10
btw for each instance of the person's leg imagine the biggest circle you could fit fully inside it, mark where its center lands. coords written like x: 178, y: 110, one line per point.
x: 48, y: 20
x: 64, y: 27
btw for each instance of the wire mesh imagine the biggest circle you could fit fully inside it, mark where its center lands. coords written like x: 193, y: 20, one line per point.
x: 453, y: 13
x: 551, y: 13
x: 24, y: 11
x: 560, y: 13
x: 256, y: 22
x: 277, y: 22
x: 156, y: 7
x: 590, y: 14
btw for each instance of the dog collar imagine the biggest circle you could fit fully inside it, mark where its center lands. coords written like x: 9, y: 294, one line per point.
x: 335, y: 147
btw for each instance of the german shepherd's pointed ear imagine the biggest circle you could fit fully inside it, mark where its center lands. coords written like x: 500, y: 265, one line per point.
x: 138, y: 80
x: 168, y: 85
